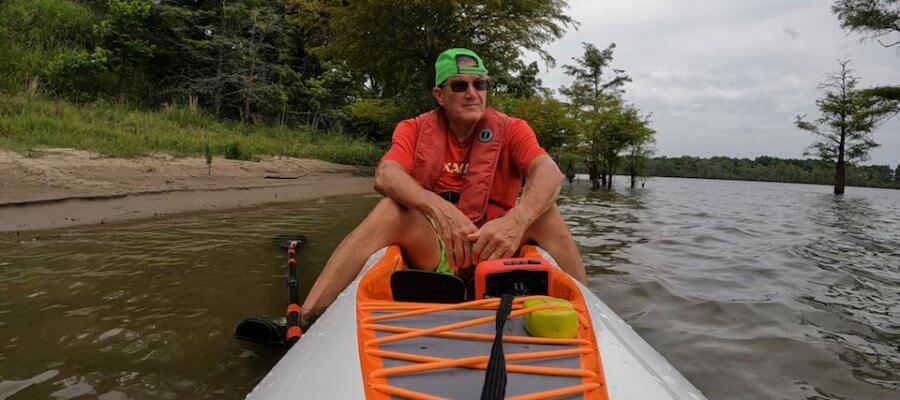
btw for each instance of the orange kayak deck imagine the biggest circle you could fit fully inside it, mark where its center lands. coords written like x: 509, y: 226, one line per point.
x: 440, y: 351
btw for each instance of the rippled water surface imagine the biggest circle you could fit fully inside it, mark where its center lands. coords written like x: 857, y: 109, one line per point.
x: 752, y: 290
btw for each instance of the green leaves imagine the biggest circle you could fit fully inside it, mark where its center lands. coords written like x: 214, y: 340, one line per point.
x: 877, y: 19
x: 607, y: 125
x: 395, y: 43
x: 595, y: 81
x: 848, y: 117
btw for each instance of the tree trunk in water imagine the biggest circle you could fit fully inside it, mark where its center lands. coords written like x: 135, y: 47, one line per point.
x: 840, y: 173
x: 602, y: 179
x: 611, y: 168
x: 840, y: 177
x: 593, y: 171
x: 633, y: 179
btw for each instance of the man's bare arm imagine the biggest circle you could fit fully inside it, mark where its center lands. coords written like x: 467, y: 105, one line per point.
x: 392, y: 181
x: 544, y: 180
x: 501, y: 237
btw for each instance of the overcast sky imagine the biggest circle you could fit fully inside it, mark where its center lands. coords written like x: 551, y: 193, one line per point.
x: 727, y: 77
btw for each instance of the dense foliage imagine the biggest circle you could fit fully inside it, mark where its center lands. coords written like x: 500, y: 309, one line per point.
x: 395, y: 44
x: 357, y: 67
x: 773, y: 170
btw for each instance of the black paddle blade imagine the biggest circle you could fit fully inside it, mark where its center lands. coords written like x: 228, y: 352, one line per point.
x: 284, y: 241
x: 260, y: 330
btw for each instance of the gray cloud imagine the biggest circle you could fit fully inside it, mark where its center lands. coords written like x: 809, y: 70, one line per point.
x: 727, y: 78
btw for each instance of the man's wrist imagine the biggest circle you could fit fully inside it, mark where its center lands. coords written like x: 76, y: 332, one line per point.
x: 521, y: 214
x: 428, y: 203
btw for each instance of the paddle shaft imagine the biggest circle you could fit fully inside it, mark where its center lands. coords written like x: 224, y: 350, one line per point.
x: 293, y: 309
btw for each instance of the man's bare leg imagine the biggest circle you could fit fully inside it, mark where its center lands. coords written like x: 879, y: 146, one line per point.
x: 387, y: 223
x: 552, y: 234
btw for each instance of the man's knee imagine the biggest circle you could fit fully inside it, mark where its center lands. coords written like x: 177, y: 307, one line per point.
x: 388, y: 218
x: 397, y: 224
x: 388, y: 208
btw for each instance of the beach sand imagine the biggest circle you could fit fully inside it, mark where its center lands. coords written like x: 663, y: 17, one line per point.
x: 58, y: 188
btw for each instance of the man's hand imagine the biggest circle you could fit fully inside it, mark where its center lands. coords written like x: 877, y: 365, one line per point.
x: 453, y: 227
x: 499, y: 238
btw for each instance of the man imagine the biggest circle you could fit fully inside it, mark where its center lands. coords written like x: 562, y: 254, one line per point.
x: 450, y: 181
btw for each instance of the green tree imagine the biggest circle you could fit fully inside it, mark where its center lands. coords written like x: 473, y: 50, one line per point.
x: 846, y: 123
x: 625, y: 128
x: 592, y: 127
x: 126, y: 36
x: 524, y: 83
x: 326, y: 94
x: 595, y: 93
x: 549, y: 118
x: 395, y: 43
x: 639, y: 152
x: 36, y: 34
x: 242, y: 59
x: 595, y: 81
x: 875, y: 19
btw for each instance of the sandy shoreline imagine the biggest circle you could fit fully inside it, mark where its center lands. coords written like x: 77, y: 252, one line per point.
x: 58, y: 188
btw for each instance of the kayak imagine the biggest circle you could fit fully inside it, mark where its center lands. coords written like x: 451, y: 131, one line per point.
x: 521, y: 329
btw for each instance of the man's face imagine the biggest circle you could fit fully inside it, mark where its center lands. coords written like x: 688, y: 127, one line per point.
x: 463, y: 97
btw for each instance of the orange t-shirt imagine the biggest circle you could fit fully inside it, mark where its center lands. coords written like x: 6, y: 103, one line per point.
x: 521, y: 149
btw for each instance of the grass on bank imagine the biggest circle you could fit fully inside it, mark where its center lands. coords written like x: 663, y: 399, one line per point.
x: 29, y: 122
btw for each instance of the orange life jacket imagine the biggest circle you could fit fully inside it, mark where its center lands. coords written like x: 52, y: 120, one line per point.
x: 478, y: 200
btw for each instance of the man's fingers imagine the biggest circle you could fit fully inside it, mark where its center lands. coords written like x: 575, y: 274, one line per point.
x: 467, y: 260
x: 502, y: 249
x: 497, y: 253
x: 451, y: 256
x: 510, y: 251
x: 459, y: 254
x: 478, y: 249
x: 487, y: 251
x: 448, y: 248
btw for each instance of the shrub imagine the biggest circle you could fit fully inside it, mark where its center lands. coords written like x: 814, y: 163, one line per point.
x: 375, y: 118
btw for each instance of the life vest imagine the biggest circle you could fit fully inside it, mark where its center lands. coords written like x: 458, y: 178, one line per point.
x: 477, y: 200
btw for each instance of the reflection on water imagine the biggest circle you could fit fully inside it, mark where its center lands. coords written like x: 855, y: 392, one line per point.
x: 752, y: 290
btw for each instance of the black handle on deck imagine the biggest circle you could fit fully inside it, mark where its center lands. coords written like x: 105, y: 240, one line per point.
x: 495, y: 375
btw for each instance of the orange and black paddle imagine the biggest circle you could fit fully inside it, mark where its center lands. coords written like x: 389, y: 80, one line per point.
x: 266, y: 331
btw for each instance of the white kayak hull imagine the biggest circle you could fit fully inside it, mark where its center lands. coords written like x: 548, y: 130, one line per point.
x: 325, y: 363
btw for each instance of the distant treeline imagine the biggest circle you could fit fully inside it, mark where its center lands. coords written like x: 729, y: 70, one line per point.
x: 772, y: 169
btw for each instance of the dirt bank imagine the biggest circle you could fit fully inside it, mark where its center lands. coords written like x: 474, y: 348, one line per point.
x: 56, y: 188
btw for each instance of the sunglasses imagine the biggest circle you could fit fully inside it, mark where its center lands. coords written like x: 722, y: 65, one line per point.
x: 462, y: 86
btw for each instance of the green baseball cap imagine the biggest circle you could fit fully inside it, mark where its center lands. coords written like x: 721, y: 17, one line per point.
x: 447, y: 65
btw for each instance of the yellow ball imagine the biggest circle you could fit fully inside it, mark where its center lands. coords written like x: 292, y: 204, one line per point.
x: 560, y: 324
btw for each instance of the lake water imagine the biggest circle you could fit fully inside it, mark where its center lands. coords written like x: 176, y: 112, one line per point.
x: 752, y: 290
